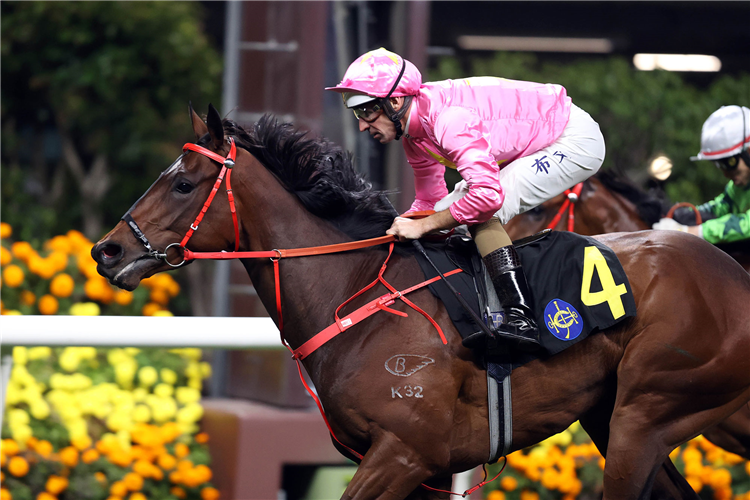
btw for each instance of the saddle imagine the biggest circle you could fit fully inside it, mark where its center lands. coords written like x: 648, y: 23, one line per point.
x: 578, y: 287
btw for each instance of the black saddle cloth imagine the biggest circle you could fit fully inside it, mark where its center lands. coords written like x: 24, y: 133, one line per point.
x: 578, y: 287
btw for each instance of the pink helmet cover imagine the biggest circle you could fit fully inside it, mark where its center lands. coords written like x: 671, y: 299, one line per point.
x: 375, y: 72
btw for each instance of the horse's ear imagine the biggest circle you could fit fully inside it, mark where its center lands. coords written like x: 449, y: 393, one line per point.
x: 215, y: 127
x: 199, y: 127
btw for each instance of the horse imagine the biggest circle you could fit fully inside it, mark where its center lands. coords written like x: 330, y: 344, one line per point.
x: 609, y: 202
x: 640, y: 388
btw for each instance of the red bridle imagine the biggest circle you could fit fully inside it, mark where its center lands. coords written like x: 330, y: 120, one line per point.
x: 568, y: 204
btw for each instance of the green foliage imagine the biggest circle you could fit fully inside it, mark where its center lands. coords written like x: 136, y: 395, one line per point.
x: 116, y: 77
x: 642, y: 114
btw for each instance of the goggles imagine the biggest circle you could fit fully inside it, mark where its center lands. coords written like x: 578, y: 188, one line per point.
x: 368, y: 112
x: 728, y: 164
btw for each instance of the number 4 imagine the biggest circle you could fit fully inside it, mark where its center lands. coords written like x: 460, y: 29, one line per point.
x: 610, y: 293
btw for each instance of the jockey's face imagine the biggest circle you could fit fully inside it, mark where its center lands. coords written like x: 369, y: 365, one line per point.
x: 382, y: 128
x: 740, y: 175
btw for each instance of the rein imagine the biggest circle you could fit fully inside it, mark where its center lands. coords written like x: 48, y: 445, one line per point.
x: 569, y: 204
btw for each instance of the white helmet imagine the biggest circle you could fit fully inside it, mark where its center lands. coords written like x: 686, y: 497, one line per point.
x: 725, y: 133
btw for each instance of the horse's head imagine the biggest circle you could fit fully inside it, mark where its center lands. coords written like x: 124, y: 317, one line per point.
x: 151, y: 231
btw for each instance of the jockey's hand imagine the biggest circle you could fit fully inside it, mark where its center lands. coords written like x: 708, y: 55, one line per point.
x: 407, y: 229
x: 413, y: 229
x: 670, y: 224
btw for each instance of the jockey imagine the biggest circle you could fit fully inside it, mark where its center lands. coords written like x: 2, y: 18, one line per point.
x: 725, y: 140
x: 516, y: 144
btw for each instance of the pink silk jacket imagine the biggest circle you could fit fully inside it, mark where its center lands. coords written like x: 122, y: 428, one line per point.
x: 478, y: 126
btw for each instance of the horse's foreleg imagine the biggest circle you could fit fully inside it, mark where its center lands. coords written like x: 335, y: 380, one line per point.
x: 733, y: 434
x: 390, y: 470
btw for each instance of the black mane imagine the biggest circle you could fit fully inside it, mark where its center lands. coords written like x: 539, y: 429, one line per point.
x: 651, y: 207
x: 319, y: 173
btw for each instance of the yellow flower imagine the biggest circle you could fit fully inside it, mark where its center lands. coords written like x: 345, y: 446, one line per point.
x: 163, y: 312
x: 81, y: 442
x: 141, y: 413
x: 5, y: 256
x: 48, y: 304
x: 163, y: 390
x: 39, y: 353
x: 168, y: 376
x: 20, y: 355
x: 5, y: 230
x: 62, y: 285
x: 13, y: 276
x: 147, y: 376
x: 85, y: 309
x: 18, y: 466
x: 56, y: 484
x: 39, y: 409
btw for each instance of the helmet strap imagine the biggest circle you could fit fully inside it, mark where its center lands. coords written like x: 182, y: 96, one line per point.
x: 396, y: 116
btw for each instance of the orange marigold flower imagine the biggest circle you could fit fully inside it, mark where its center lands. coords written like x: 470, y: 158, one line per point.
x: 150, y: 308
x: 720, y: 478
x: 133, y: 481
x: 48, y: 304
x: 137, y: 496
x: 118, y: 489
x: 5, y: 230
x: 201, y: 438
x: 175, y: 477
x: 203, y: 473
x: 59, y: 243
x: 529, y: 495
x: 211, y: 493
x: 81, y: 442
x: 181, y: 450
x: 494, y: 495
x: 62, y: 285
x: 69, y: 456
x: 101, y: 477
x: 18, y: 466
x: 45, y: 496
x: 5, y: 256
x: 44, y: 448
x: 695, y: 483
x: 178, y: 492
x: 123, y: 297
x: 56, y: 484
x: 5, y: 494
x: 166, y: 461
x: 509, y: 483
x: 28, y: 298
x: 22, y: 250
x: 13, y: 276
x: 90, y: 456
x: 9, y: 447
x: 184, y: 465
x: 160, y: 296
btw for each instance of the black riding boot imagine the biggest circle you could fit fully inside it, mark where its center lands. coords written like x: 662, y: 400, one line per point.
x: 504, y: 267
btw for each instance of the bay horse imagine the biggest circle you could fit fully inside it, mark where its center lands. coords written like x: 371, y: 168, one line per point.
x: 609, y: 202
x: 640, y: 389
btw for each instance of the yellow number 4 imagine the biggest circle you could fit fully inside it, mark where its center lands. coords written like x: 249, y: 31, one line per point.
x: 610, y: 293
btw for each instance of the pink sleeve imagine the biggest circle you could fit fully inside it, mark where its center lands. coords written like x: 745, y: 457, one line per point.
x: 463, y: 136
x: 429, y: 179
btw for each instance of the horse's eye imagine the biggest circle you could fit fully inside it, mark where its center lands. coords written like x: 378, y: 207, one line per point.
x: 183, y: 187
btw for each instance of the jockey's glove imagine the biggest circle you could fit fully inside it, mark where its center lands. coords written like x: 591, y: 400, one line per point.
x: 672, y: 225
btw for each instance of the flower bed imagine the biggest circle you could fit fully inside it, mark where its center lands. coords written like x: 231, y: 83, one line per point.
x: 568, y: 466
x: 94, y: 424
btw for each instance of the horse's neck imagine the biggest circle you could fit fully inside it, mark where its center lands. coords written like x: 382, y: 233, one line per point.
x: 310, y: 287
x: 605, y: 211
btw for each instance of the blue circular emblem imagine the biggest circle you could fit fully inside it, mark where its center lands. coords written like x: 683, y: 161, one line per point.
x: 562, y: 320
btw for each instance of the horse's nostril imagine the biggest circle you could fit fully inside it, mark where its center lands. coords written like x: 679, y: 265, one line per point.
x: 110, y: 250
